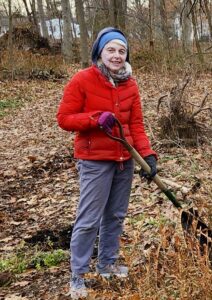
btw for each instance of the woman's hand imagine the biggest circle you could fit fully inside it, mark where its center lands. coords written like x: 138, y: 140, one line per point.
x: 106, y: 121
x: 151, y: 161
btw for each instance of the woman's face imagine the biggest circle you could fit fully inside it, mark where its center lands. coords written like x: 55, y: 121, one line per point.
x: 114, y: 56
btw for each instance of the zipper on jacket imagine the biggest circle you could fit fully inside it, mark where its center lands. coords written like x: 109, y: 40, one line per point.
x: 89, y: 145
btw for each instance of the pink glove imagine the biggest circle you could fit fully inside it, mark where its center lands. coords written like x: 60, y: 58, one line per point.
x: 106, y: 121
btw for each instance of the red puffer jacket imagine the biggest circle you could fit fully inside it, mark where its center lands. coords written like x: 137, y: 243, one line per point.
x: 86, y: 96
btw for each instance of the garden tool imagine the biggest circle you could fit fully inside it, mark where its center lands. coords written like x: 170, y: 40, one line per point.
x: 188, y: 217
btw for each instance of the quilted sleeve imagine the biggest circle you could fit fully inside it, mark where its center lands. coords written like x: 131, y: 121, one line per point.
x: 71, y: 115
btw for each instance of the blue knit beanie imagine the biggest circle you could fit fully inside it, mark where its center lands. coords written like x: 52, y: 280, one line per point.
x: 106, y: 38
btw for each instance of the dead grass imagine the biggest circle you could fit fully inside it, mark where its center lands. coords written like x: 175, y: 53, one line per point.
x: 26, y: 63
x: 157, y: 60
x: 169, y: 269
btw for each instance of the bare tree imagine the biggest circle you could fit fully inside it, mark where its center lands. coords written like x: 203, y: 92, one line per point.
x: 113, y: 13
x: 73, y: 26
x: 31, y: 14
x: 83, y: 33
x: 138, y: 22
x: 50, y: 8
x: 151, y: 21
x: 27, y: 11
x: 10, y: 39
x: 186, y: 28
x: 97, y: 15
x: 192, y: 7
x: 118, y: 10
x: 208, y: 14
x: 164, y: 25
x: 34, y: 15
x: 50, y: 15
x: 56, y: 13
x: 42, y: 19
x: 67, y: 50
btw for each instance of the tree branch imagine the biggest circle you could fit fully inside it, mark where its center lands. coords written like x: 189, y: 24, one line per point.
x: 201, y: 107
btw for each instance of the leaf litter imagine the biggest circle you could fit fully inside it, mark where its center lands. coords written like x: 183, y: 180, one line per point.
x: 39, y: 191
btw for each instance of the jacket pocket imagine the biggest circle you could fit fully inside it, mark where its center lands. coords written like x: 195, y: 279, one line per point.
x: 82, y: 143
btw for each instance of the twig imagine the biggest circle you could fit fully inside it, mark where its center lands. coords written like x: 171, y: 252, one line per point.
x: 184, y: 86
x: 198, y: 111
x: 196, y: 53
x: 150, y: 129
x: 187, y: 102
x: 201, y: 106
x: 160, y: 101
x: 208, y: 48
x: 192, y: 7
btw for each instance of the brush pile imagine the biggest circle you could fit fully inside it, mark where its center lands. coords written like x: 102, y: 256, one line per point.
x: 178, y: 117
x: 25, y: 38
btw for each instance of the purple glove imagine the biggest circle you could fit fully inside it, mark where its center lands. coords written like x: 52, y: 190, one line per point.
x: 106, y: 121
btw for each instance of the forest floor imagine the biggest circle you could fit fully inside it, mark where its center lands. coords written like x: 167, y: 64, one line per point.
x: 39, y: 194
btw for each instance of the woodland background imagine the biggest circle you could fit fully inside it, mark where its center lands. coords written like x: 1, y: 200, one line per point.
x: 42, y: 44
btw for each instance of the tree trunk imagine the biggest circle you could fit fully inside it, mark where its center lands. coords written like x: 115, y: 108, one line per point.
x: 164, y: 26
x: 27, y: 11
x: 157, y: 20
x: 57, y: 14
x: 137, y: 4
x: 117, y: 13
x: 50, y: 15
x: 10, y: 39
x: 67, y: 50
x: 50, y: 8
x: 34, y: 16
x: 31, y: 15
x: 151, y: 21
x: 122, y: 11
x: 42, y: 19
x: 83, y: 33
x: 113, y: 13
x: 97, y: 13
x: 74, y: 34
x: 186, y: 29
x: 194, y: 23
x: 60, y: 28
x: 208, y: 14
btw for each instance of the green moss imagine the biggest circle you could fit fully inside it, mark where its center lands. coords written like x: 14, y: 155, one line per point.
x: 19, y: 262
x: 9, y: 104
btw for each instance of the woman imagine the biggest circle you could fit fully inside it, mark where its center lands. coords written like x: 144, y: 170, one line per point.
x: 91, y: 101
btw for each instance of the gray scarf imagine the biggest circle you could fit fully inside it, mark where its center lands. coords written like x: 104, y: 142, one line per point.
x: 122, y: 75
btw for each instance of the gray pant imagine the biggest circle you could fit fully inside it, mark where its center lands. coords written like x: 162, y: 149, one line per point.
x: 104, y: 196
